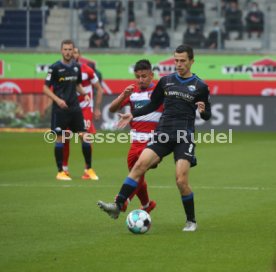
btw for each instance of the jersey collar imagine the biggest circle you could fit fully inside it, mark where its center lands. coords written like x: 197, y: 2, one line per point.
x: 184, y: 80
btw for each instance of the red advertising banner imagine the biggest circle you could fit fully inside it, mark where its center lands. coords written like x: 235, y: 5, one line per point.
x: 116, y: 86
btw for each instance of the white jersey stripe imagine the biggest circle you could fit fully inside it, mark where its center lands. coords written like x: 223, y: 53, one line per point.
x: 151, y: 117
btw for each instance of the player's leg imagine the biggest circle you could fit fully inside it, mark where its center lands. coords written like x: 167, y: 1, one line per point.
x: 145, y: 161
x: 184, y: 157
x: 59, y: 124
x: 135, y: 151
x: 89, y: 172
x: 142, y: 193
x: 66, y: 152
x: 77, y: 125
x: 149, y: 158
x: 142, y: 189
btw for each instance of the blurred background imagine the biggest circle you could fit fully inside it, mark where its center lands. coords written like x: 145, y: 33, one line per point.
x: 234, y: 41
x: 242, y: 25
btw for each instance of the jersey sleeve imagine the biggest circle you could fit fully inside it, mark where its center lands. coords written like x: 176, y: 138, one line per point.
x: 205, y: 97
x: 156, y: 99
x: 92, y: 75
x: 50, y: 76
x: 125, y: 102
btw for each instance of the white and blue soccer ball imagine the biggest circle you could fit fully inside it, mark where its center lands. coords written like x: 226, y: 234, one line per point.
x: 138, y: 221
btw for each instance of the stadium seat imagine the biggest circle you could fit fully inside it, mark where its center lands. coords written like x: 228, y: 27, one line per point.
x: 13, y: 28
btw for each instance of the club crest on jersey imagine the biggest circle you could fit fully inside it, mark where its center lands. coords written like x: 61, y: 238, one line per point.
x: 191, y: 88
x: 76, y: 69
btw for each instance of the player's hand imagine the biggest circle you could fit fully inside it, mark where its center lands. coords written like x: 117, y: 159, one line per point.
x: 97, y: 114
x: 62, y: 104
x: 128, y: 90
x: 125, y: 118
x: 200, y: 106
x: 87, y: 98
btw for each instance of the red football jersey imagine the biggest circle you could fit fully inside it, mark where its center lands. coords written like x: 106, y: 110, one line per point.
x: 88, y: 77
x: 142, y: 126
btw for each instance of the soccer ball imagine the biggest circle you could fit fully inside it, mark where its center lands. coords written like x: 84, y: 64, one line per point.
x: 138, y: 221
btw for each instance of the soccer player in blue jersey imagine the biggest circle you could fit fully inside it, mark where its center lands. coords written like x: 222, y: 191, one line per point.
x: 182, y: 93
x: 64, y: 77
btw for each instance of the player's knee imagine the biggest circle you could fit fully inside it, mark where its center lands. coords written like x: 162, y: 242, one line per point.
x: 182, y: 181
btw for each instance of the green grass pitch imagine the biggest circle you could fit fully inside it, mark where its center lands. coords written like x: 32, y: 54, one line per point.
x: 46, y: 225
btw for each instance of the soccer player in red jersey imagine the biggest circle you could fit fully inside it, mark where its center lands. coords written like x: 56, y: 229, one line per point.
x: 89, y: 110
x: 138, y: 95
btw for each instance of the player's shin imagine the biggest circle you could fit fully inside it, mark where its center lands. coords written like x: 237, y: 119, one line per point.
x: 87, y: 153
x: 59, y: 155
x: 142, y: 192
x: 66, y: 151
x: 188, y: 204
x: 127, y: 189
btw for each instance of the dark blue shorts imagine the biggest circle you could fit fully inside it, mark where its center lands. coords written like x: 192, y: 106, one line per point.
x: 67, y: 120
x: 181, y: 150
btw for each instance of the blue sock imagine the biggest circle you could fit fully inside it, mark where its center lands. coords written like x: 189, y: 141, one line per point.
x: 87, y: 153
x: 128, y: 187
x: 188, y: 204
x: 59, y: 155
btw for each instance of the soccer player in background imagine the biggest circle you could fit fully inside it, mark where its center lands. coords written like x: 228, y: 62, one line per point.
x: 89, y: 111
x: 137, y: 95
x: 64, y: 77
x: 181, y: 93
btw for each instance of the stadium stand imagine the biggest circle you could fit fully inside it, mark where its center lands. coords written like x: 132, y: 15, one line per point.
x: 64, y: 22
x: 13, y: 28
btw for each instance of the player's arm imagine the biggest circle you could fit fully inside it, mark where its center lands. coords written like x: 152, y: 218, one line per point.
x: 46, y: 88
x: 79, y: 87
x: 60, y: 102
x: 116, y: 104
x: 98, y: 102
x: 204, y: 105
x: 81, y: 91
x: 96, y: 83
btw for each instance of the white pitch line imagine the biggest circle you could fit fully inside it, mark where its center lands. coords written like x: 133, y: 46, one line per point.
x: 91, y: 185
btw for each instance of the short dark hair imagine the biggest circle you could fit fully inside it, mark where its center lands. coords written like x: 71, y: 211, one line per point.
x: 77, y: 49
x: 142, y: 64
x: 185, y: 48
x: 67, y: 41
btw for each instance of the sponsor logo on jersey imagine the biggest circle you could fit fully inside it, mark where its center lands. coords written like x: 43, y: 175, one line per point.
x: 140, y: 104
x: 191, y: 88
x: 179, y: 94
x: 69, y: 78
